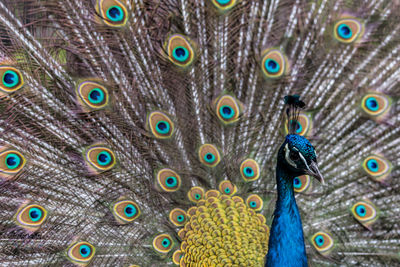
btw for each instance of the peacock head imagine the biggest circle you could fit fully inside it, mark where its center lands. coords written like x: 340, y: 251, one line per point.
x: 298, y: 157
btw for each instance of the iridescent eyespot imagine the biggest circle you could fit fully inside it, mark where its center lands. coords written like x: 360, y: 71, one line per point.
x: 227, y: 188
x: 168, y: 180
x: 113, y: 12
x: 11, y: 79
x: 274, y: 63
x: 322, y: 242
x: 177, y: 256
x: 100, y: 158
x: 93, y: 95
x: 302, y: 126
x: 301, y: 183
x: 224, y: 5
x: 11, y: 162
x: 209, y: 155
x: 254, y: 202
x: 163, y: 243
x: 377, y: 167
x: 81, y: 253
x: 178, y: 217
x: 364, y: 212
x: 376, y: 105
x: 31, y: 217
x: 160, y: 125
x: 125, y: 211
x: 179, y: 50
x: 228, y: 109
x: 249, y: 170
x: 348, y: 30
x: 195, y: 194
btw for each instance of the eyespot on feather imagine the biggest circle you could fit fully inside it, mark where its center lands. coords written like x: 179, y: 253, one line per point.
x: 301, y: 183
x: 180, y: 50
x: 81, y: 253
x: 161, y: 126
x: 163, y: 243
x: 303, y: 125
x: 168, y: 180
x: 224, y: 5
x: 254, y: 202
x: 348, y: 30
x: 209, y: 155
x: 93, y: 95
x: 11, y: 79
x: 377, y: 167
x: 322, y: 242
x: 364, y: 212
x: 176, y: 257
x: 100, y: 158
x: 178, y: 217
x: 125, y: 211
x: 31, y: 217
x: 228, y: 109
x: 227, y: 187
x: 11, y: 162
x: 113, y: 12
x: 274, y: 64
x: 376, y: 105
x: 250, y: 170
x: 195, y: 194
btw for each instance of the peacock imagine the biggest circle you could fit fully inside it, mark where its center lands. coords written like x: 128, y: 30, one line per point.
x: 199, y: 133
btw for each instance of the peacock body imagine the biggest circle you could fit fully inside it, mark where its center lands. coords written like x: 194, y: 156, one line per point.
x: 154, y: 133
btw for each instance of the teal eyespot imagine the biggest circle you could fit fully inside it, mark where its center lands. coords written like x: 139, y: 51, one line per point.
x: 104, y: 158
x: 226, y: 112
x: 227, y: 187
x: 168, y: 180
x: 197, y: 196
x: 272, y: 66
x: 96, y: 96
x: 224, y: 5
x: 297, y: 182
x: 84, y: 250
x: 177, y: 217
x: 319, y: 240
x: 10, y: 78
x: 115, y: 14
x: 361, y: 210
x: 35, y: 214
x: 13, y: 161
x: 209, y: 158
x: 248, y: 172
x: 162, y: 127
x: 163, y: 243
x: 344, y: 31
x: 171, y: 181
x: 373, y: 165
x: 372, y: 104
x: 125, y: 211
x: 180, y: 53
x: 253, y: 204
x: 227, y: 190
x: 130, y: 210
x: 180, y: 218
x: 81, y: 253
x: 223, y: 2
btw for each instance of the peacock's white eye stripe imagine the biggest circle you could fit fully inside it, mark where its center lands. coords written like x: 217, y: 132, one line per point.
x: 287, y: 157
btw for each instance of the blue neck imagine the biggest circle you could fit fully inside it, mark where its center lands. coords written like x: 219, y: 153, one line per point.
x: 286, y: 241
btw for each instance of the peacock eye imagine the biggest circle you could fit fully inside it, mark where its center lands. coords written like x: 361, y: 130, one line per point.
x: 179, y: 50
x: 294, y: 155
x: 81, y: 253
x: 113, y: 12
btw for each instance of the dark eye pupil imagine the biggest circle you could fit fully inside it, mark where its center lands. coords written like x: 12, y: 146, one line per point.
x: 226, y: 110
x: 272, y: 64
x: 296, y: 181
x: 162, y: 126
x: 209, y: 156
x: 373, y: 165
x: 345, y: 30
x: 248, y: 170
x: 129, y: 210
x: 11, y: 161
x: 114, y: 12
x: 373, y: 103
x: 180, y: 52
x: 34, y: 214
x: 170, y: 181
x: 95, y: 95
x: 9, y: 78
x: 320, y: 240
x: 294, y: 155
x: 103, y: 157
x: 84, y: 250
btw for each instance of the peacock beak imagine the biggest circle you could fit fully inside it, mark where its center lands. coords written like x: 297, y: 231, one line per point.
x: 314, y: 171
